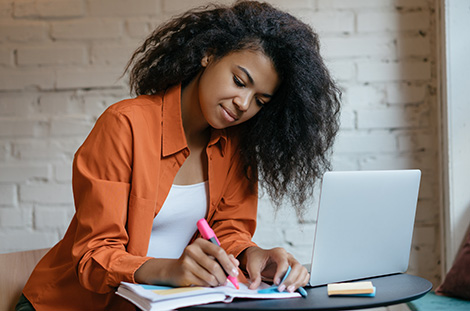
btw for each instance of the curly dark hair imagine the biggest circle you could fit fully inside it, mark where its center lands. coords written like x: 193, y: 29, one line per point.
x: 286, y: 144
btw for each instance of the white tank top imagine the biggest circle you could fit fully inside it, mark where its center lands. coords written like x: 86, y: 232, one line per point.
x: 175, y: 224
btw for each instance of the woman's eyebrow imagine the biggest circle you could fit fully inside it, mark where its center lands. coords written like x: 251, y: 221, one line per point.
x: 247, y: 74
x: 251, y: 80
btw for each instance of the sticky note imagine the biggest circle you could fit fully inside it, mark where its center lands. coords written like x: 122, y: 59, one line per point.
x: 351, y: 288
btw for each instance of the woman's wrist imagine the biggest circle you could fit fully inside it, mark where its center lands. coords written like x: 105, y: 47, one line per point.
x: 154, y: 271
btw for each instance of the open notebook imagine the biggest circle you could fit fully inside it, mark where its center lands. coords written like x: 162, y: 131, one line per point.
x: 153, y: 298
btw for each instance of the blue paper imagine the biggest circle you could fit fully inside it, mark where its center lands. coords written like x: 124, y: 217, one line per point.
x: 274, y: 288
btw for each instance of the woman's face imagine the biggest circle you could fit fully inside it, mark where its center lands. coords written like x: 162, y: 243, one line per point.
x: 234, y: 88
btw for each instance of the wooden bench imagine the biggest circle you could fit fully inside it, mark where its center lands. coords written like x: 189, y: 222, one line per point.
x: 15, y: 269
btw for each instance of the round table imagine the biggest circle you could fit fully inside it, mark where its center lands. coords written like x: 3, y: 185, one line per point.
x: 391, y: 289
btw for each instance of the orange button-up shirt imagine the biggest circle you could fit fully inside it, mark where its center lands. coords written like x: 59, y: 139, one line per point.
x: 121, y: 176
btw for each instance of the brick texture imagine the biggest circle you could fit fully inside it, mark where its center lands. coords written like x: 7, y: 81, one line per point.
x: 48, y: 8
x: 60, y: 67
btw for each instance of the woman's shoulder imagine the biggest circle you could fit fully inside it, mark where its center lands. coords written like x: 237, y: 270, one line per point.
x: 142, y: 103
x: 143, y: 113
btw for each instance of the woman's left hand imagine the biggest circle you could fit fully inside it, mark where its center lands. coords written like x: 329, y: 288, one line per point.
x: 273, y: 264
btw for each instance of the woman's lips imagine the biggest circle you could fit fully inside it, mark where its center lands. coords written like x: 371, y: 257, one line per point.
x: 229, y: 115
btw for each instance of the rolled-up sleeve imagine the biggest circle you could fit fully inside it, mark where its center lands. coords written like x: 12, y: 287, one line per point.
x: 102, y: 170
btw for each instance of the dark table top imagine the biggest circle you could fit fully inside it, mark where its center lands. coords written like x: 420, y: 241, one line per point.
x: 391, y: 289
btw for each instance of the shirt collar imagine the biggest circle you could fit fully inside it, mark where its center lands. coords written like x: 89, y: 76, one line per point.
x: 219, y: 139
x: 173, y: 137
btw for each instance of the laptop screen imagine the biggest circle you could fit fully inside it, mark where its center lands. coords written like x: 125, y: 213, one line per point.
x: 365, y: 224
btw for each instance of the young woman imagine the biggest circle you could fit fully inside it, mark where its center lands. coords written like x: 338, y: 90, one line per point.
x: 227, y: 97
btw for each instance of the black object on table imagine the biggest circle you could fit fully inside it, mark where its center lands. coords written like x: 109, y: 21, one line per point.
x: 391, y: 289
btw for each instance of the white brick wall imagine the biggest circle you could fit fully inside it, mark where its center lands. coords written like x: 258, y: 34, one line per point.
x: 60, y: 63
x: 48, y: 8
x: 51, y: 55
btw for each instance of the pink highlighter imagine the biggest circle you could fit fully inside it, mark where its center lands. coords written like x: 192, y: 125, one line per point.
x: 208, y: 234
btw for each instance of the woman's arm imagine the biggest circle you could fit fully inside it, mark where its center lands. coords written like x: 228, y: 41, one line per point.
x: 202, y: 263
x: 102, y: 171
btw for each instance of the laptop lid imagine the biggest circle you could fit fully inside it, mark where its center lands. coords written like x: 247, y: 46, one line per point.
x: 365, y: 225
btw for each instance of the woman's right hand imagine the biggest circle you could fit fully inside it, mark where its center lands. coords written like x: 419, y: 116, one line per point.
x: 202, y: 263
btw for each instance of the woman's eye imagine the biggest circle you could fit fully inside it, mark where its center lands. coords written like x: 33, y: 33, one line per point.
x: 238, y: 82
x: 260, y: 103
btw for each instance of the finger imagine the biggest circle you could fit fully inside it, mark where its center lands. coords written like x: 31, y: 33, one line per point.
x: 283, y: 283
x: 298, y: 277
x: 234, y: 260
x: 254, y: 274
x: 199, y: 277
x: 207, y: 267
x: 225, y: 262
x: 254, y: 265
x: 281, y: 271
x: 306, y: 279
x: 193, y: 268
x: 293, y: 281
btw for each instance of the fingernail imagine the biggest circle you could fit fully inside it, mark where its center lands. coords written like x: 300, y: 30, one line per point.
x: 235, y: 272
x: 291, y: 289
x: 281, y: 288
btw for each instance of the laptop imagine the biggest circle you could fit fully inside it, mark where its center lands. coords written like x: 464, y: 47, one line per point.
x: 364, y: 225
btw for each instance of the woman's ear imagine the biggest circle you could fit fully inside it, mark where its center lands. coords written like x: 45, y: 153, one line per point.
x: 206, y: 60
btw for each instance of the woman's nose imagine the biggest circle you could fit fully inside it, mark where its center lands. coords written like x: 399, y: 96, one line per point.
x: 242, y: 102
